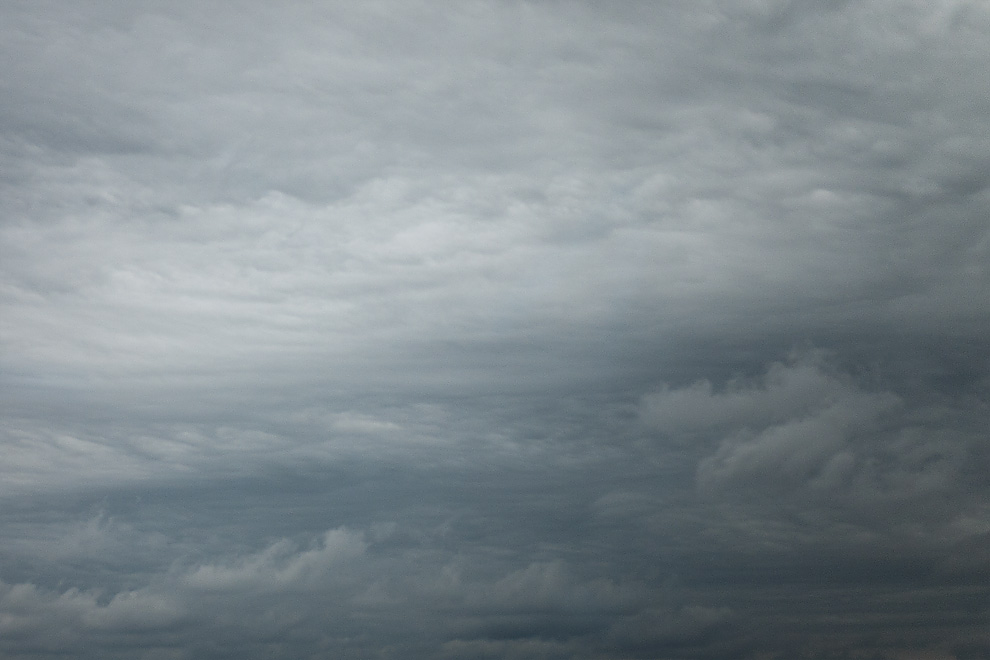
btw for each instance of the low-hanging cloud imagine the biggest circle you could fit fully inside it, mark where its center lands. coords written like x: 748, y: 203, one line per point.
x: 512, y: 329
x: 282, y: 566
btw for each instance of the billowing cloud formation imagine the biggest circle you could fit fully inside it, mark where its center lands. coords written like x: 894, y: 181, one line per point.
x: 504, y: 330
x: 277, y: 567
x: 805, y: 439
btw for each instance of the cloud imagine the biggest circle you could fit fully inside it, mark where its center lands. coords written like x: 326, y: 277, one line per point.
x: 283, y: 566
x: 667, y: 630
x: 804, y: 425
x: 547, y: 586
x: 529, y: 648
x: 787, y: 390
x: 67, y: 617
x: 815, y: 448
x: 505, y: 297
x: 813, y: 464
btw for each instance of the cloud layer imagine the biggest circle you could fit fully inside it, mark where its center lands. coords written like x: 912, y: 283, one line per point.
x: 503, y: 330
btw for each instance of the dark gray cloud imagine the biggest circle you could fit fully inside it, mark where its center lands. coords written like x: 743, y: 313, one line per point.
x: 503, y: 330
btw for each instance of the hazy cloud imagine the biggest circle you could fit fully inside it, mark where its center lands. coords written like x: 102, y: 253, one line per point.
x: 509, y: 329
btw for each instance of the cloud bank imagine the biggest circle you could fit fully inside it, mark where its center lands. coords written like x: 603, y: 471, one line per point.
x: 504, y: 330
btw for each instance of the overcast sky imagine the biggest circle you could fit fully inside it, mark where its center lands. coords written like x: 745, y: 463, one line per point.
x: 495, y: 329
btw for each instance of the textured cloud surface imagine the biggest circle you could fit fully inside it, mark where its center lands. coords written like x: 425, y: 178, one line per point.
x: 495, y: 330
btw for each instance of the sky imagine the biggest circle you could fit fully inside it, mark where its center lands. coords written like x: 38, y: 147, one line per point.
x: 522, y: 329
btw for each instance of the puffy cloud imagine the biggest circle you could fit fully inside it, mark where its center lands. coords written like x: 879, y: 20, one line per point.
x: 787, y: 391
x: 808, y: 460
x: 69, y: 616
x: 283, y: 566
x: 816, y: 449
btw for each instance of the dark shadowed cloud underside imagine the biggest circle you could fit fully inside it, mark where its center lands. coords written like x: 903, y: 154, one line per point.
x: 496, y: 329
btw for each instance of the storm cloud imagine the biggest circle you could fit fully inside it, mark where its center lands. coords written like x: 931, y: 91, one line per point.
x: 495, y: 330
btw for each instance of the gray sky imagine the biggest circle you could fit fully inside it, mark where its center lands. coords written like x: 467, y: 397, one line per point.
x: 496, y: 329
